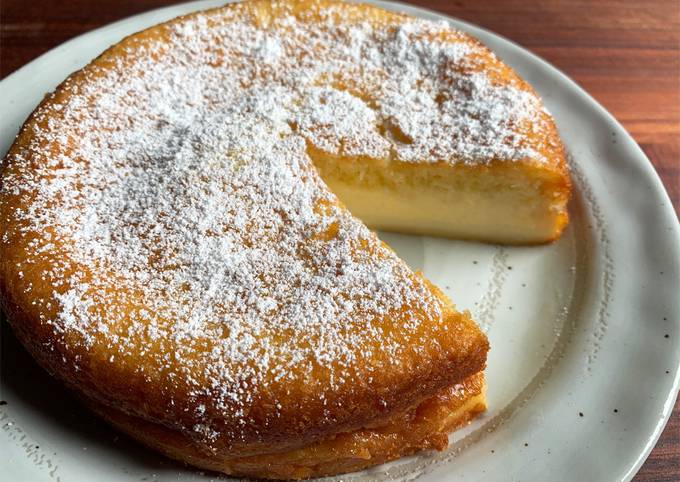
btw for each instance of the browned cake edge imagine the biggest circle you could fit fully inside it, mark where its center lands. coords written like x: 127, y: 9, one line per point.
x: 424, y: 427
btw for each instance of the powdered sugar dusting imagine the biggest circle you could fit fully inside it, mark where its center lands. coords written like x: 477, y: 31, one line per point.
x: 177, y: 203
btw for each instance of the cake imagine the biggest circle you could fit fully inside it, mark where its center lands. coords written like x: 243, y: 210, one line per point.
x: 179, y: 242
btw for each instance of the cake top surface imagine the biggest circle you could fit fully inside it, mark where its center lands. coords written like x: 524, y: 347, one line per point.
x: 171, y: 221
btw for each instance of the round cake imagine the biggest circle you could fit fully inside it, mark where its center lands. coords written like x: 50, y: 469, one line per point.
x: 172, y: 250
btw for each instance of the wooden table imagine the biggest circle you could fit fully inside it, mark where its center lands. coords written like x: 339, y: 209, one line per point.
x: 625, y: 53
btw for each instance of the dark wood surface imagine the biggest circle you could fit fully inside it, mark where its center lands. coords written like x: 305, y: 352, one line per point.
x: 624, y: 53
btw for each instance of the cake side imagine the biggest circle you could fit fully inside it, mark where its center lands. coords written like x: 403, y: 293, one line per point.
x: 425, y: 426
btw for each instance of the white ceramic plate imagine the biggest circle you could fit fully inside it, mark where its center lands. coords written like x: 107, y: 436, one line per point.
x: 585, y: 333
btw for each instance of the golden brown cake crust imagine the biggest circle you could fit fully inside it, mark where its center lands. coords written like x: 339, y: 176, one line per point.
x: 425, y: 426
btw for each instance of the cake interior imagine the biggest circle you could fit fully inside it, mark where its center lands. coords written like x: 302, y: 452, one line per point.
x: 502, y: 202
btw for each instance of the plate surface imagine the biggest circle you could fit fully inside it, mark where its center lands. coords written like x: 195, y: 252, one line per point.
x: 585, y: 333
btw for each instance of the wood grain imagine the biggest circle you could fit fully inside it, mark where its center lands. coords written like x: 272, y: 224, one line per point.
x: 624, y: 53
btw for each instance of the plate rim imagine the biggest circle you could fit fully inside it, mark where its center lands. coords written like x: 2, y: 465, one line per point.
x: 641, y: 159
